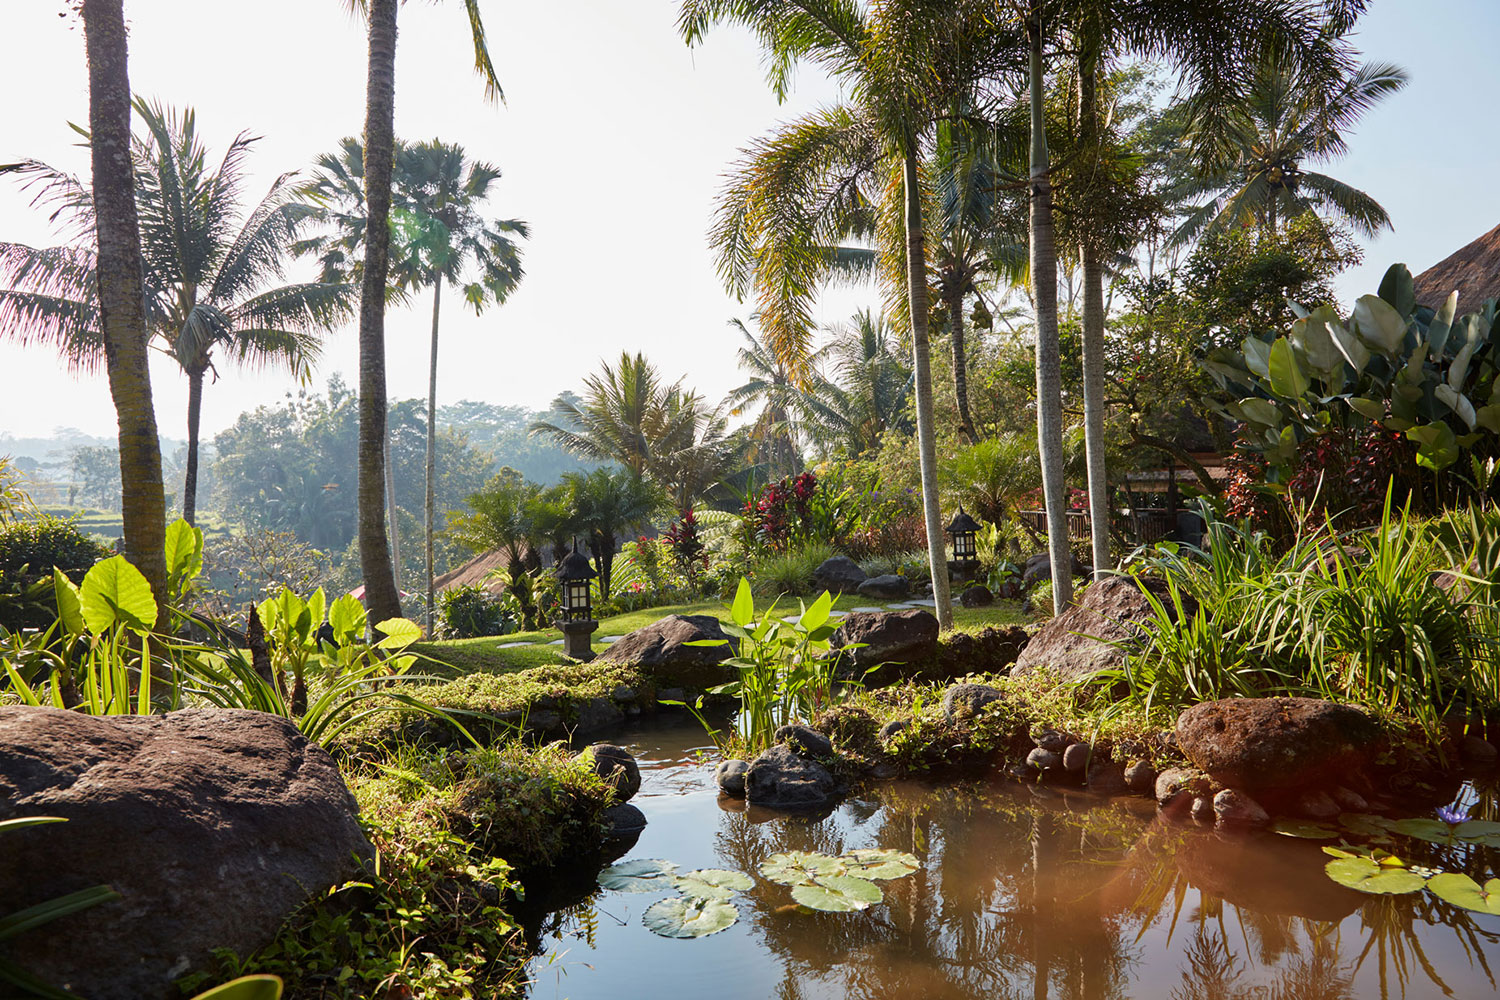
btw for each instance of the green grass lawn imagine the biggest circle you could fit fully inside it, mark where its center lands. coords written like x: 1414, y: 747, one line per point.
x: 455, y: 657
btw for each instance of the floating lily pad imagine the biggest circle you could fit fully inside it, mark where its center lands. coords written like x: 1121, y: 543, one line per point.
x: 875, y: 863
x: 793, y: 867
x: 642, y: 875
x: 1434, y: 831
x: 1461, y: 890
x: 1305, y: 829
x: 1368, y: 875
x: 1478, y: 831
x: 681, y: 917
x: 712, y: 883
x: 1365, y: 824
x: 838, y: 894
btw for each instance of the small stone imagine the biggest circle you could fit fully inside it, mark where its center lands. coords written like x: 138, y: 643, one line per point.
x: 1076, y: 757
x: 616, y: 766
x: 892, y: 728
x: 624, y: 820
x: 1234, y: 808
x: 883, y: 771
x: 977, y: 596
x: 731, y: 777
x: 1051, y: 739
x: 1203, y: 809
x: 1317, y: 804
x: 1140, y: 776
x: 782, y: 779
x: 624, y: 693
x: 967, y: 699
x: 1349, y: 800
x: 805, y: 739
x: 1021, y: 772
x: 1044, y: 760
x: 1176, y: 780
x: 1477, y: 751
x: 1107, y: 777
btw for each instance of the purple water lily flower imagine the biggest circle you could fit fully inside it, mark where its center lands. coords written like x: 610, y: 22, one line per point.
x: 1452, y: 816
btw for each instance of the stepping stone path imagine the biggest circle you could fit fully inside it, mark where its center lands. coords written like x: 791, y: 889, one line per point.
x: 513, y: 645
x: 610, y: 640
x: 865, y: 611
x: 555, y: 642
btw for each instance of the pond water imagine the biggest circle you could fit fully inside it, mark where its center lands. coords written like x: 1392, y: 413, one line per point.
x: 1024, y: 892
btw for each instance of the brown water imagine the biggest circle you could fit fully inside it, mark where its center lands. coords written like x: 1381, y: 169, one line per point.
x: 1025, y: 892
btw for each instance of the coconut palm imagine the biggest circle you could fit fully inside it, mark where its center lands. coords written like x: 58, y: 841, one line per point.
x: 380, y: 147
x: 866, y: 385
x: 118, y: 269
x: 769, y: 385
x: 607, y: 503
x: 211, y: 275
x: 448, y: 239
x: 1258, y: 149
x: 802, y: 189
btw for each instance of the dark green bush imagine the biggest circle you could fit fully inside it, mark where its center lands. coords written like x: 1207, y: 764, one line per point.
x: 471, y: 611
x: 28, y: 552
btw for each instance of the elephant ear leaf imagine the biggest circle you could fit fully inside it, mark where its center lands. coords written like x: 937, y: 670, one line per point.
x: 69, y: 603
x: 1379, y: 323
x: 246, y: 988
x: 1437, y: 445
x: 1287, y: 377
x: 1258, y: 356
x: 1457, y: 402
x: 1441, y: 326
x: 1398, y: 289
x: 116, y: 593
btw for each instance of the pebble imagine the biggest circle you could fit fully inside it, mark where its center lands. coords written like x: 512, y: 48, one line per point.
x: 1076, y: 757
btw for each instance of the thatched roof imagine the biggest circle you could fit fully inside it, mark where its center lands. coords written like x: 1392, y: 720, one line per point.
x: 1474, y: 271
x: 474, y: 571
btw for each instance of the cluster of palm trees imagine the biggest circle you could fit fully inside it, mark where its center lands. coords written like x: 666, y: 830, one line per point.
x: 910, y: 176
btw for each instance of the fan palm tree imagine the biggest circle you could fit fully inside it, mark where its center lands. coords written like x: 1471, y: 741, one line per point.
x: 607, y: 503
x: 1258, y: 149
x: 380, y: 147
x: 450, y: 240
x: 801, y: 190
x: 118, y: 266
x: 207, y: 268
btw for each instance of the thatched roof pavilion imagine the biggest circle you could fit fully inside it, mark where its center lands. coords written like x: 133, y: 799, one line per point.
x: 1474, y: 271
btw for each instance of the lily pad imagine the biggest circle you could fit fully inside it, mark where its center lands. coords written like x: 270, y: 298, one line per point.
x: 681, y: 917
x: 1365, y: 824
x: 1461, y: 890
x: 1434, y: 831
x: 838, y: 894
x: 794, y: 867
x: 1479, y: 831
x: 875, y: 863
x: 641, y: 875
x: 712, y: 883
x: 1305, y: 829
x: 1368, y: 875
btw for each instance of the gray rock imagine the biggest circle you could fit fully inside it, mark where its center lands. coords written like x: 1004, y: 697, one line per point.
x: 1076, y: 757
x: 730, y: 776
x: 892, y: 728
x: 1051, y: 739
x: 1203, y: 809
x: 1044, y: 760
x: 1039, y: 568
x: 616, y: 766
x: 805, y: 740
x: 962, y: 700
x: 662, y: 649
x: 977, y: 596
x: 887, y: 587
x: 1077, y: 642
x: 1233, y: 807
x: 1477, y: 751
x: 1349, y: 800
x: 1107, y: 777
x: 782, y: 779
x: 624, y: 820
x: 213, y: 825
x: 1317, y: 804
x: 900, y: 636
x: 1282, y: 744
x: 1141, y: 777
x: 838, y: 575
x: 1174, y: 781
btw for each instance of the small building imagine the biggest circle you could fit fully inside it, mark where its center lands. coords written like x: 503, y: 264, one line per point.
x: 1474, y: 271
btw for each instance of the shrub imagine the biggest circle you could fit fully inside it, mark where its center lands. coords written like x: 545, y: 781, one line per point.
x: 791, y: 572
x: 471, y: 611
x: 28, y: 552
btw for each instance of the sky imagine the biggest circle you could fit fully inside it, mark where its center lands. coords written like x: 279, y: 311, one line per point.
x: 613, y: 140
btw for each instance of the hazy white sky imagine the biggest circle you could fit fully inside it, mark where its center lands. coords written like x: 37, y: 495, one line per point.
x: 613, y: 141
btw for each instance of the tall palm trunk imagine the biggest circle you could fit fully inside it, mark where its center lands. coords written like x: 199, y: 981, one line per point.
x: 190, y: 479
x: 1093, y: 330
x: 960, y: 362
x: 392, y: 513
x: 1048, y: 355
x: 437, y: 298
x: 381, y: 596
x: 916, y: 291
x: 122, y: 306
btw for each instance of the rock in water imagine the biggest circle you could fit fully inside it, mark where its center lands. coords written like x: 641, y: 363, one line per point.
x: 1275, y: 744
x: 212, y: 824
x: 1076, y: 642
x: 805, y: 740
x: 662, y: 649
x: 731, y: 777
x: 781, y: 778
x: 903, y: 636
x: 1235, y: 808
x: 616, y: 766
x: 838, y: 575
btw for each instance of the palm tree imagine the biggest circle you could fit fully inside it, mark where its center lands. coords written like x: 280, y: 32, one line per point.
x: 206, y: 269
x: 770, y: 386
x: 380, y: 148
x: 605, y: 504
x: 868, y: 386
x: 448, y: 239
x: 1257, y: 149
x: 800, y: 191
x: 122, y: 312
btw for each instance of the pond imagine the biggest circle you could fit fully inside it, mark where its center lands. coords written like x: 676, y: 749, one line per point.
x: 1023, y: 892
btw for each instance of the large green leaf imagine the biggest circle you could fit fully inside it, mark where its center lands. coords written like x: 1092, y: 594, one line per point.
x: 1287, y: 377
x: 1258, y: 356
x: 642, y: 875
x: 1437, y: 446
x: 680, y: 917
x: 1399, y: 289
x: 1372, y: 408
x: 712, y: 883
x: 1368, y: 875
x: 792, y: 867
x: 346, y: 617
x: 1314, y: 336
x: 399, y: 633
x: 1260, y: 411
x: 1441, y: 325
x: 875, y: 863
x: 69, y: 602
x: 184, y: 552
x: 245, y: 988
x: 816, y: 615
x: 1457, y: 402
x: 742, y: 611
x: 116, y: 593
x: 1378, y: 323
x: 1461, y: 890
x: 837, y: 894
x: 1356, y: 353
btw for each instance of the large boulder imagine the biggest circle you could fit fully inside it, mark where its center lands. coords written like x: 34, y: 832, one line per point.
x: 662, y: 650
x: 1039, y: 568
x: 838, y: 575
x: 1076, y: 642
x: 886, y: 587
x: 783, y: 779
x: 616, y: 766
x: 211, y: 824
x: 1278, y: 744
x: 887, y: 636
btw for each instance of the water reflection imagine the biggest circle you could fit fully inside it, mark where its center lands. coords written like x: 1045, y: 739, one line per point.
x: 1024, y: 893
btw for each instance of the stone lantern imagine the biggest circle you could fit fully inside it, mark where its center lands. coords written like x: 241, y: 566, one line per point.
x: 576, y: 606
x: 963, y: 530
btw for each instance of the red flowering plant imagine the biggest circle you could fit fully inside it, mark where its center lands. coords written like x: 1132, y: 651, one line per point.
x: 688, y: 550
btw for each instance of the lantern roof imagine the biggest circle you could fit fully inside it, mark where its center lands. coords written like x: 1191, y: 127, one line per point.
x: 575, y: 566
x: 962, y: 523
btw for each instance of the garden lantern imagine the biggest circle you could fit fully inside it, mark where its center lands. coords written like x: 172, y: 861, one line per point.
x: 963, y: 530
x: 577, y: 623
